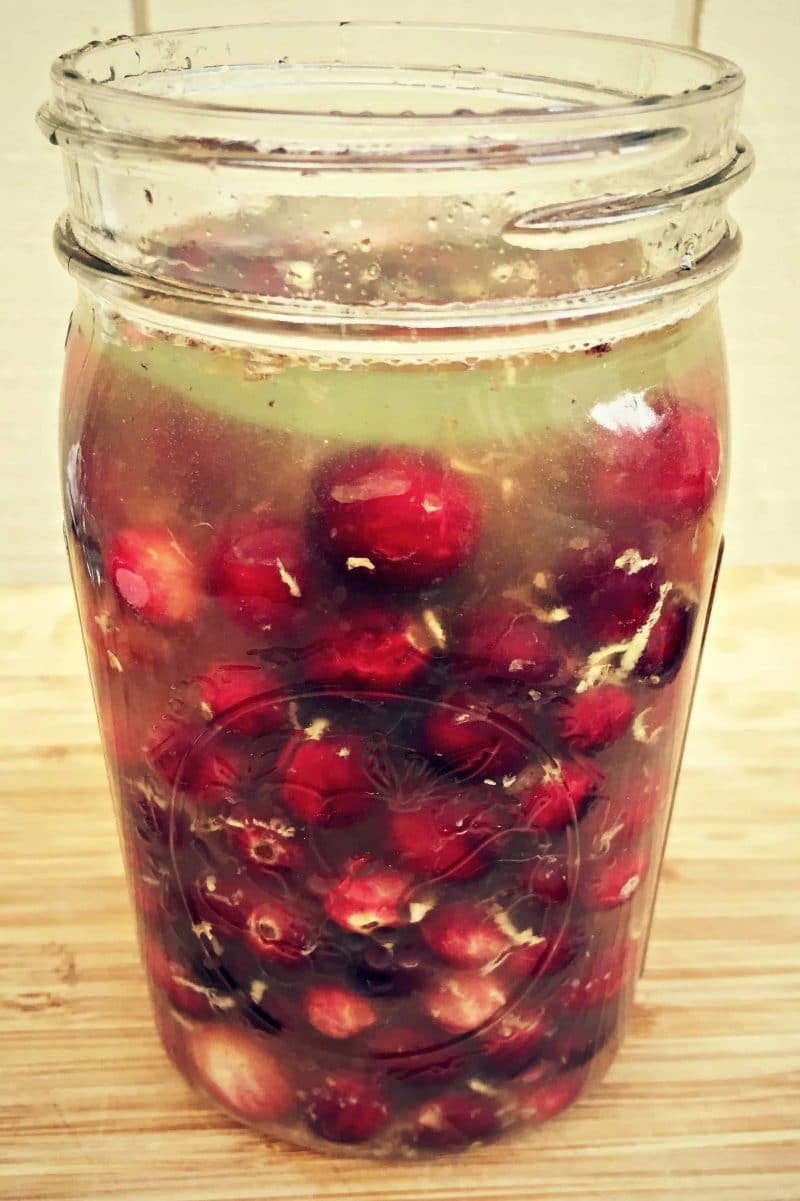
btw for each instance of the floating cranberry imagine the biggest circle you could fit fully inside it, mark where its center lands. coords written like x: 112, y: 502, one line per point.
x: 279, y: 932
x: 507, y: 645
x: 452, y: 835
x: 470, y: 737
x: 592, y: 720
x: 205, y: 771
x: 543, y: 1099
x: 607, y: 883
x: 621, y: 819
x: 455, y: 1119
x: 268, y: 845
x: 659, y: 458
x: 464, y: 1001
x: 370, y: 648
x: 185, y: 992
x: 667, y: 641
x: 225, y: 901
x: 610, y: 590
x: 324, y: 779
x: 155, y: 575
x: 559, y: 794
x: 243, y: 698
x: 369, y: 895
x: 337, y: 1012
x: 547, y: 879
x: 239, y: 1072
x: 597, y: 978
x: 464, y: 934
x: 513, y: 1041
x: 260, y: 571
x: 396, y: 516
x: 347, y: 1109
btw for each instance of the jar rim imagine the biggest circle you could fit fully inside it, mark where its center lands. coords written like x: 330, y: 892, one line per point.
x: 151, y: 91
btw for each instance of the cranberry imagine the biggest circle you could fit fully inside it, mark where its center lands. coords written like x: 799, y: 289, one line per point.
x: 347, y: 1109
x: 239, y: 1072
x: 455, y: 1119
x: 279, y: 932
x: 368, y: 896
x: 464, y: 1002
x: 260, y: 572
x: 658, y: 457
x: 241, y: 697
x: 155, y: 575
x: 324, y: 779
x: 620, y: 820
x: 461, y: 732
x: 543, y: 1099
x: 667, y: 642
x: 611, y: 590
x: 464, y: 934
x: 559, y: 795
x: 396, y: 516
x: 450, y: 836
x: 370, y: 648
x: 267, y: 846
x: 207, y: 773
x: 336, y: 1012
x: 185, y: 993
x: 225, y: 901
x: 513, y: 1041
x: 509, y: 645
x: 597, y: 978
x: 406, y: 1053
x: 592, y: 720
x: 547, y: 879
x: 613, y: 881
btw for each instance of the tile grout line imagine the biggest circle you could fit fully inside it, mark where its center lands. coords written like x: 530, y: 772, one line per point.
x: 140, y: 16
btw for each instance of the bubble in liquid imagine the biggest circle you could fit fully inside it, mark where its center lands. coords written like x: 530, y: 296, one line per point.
x: 432, y: 224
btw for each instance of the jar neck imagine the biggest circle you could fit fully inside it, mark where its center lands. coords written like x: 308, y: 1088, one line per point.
x: 478, y: 193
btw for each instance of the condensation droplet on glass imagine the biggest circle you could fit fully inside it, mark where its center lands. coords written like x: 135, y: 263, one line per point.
x: 485, y: 219
x: 433, y: 224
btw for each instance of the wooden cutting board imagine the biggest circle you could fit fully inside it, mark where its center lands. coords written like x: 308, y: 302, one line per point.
x: 703, y: 1102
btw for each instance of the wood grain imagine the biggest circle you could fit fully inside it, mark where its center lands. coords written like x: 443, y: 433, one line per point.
x: 704, y: 1099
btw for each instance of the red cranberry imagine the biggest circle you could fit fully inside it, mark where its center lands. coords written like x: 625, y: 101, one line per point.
x: 324, y: 779
x: 225, y: 901
x: 525, y: 960
x: 260, y: 571
x: 369, y: 895
x: 279, y: 933
x: 267, y: 846
x: 590, y: 721
x: 657, y: 457
x: 347, y: 1109
x: 559, y: 795
x: 451, y: 836
x: 509, y: 645
x: 241, y: 697
x: 370, y: 648
x: 547, y: 879
x: 336, y: 1012
x: 512, y: 1041
x: 455, y: 1119
x: 461, y: 733
x: 239, y: 1072
x: 207, y: 773
x: 464, y: 934
x: 184, y: 992
x: 396, y: 516
x: 464, y: 1002
x: 610, y: 590
x: 620, y: 820
x: 667, y: 643
x: 613, y: 881
x: 543, y: 1099
x: 155, y: 575
x: 597, y: 978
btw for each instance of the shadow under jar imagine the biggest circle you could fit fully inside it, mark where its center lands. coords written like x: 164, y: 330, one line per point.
x: 394, y: 453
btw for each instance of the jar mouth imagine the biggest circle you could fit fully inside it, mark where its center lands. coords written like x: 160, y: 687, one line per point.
x: 362, y: 91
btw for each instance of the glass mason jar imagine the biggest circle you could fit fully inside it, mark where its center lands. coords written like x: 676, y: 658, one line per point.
x: 394, y: 451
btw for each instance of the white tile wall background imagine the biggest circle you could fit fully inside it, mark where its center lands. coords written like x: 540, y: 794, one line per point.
x: 760, y: 300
